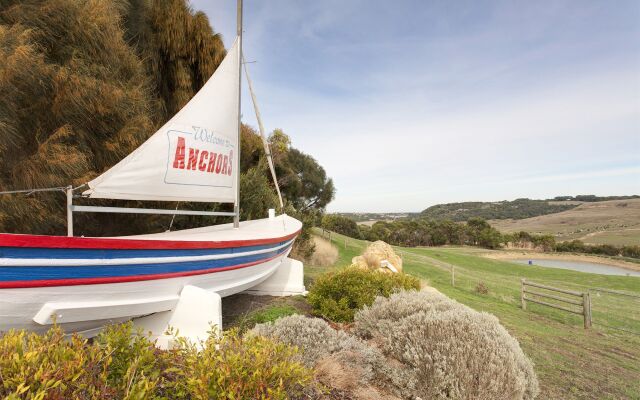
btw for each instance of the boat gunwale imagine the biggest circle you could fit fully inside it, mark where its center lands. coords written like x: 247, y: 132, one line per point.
x: 64, y: 242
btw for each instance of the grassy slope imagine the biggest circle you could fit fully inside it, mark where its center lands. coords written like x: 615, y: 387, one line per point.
x: 614, y: 222
x: 572, y: 363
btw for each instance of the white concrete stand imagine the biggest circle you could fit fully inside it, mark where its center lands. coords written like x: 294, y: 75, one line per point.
x: 196, y: 312
x: 288, y: 280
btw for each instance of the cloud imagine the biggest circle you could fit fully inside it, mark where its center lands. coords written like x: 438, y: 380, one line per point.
x: 411, y: 103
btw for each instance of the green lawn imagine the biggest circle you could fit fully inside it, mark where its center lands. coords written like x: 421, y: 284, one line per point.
x: 571, y: 362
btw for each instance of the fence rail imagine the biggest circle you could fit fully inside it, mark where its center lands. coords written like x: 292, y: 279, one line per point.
x: 584, y: 301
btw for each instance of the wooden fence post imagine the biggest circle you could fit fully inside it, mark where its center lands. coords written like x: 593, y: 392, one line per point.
x: 453, y: 275
x: 522, y: 299
x: 586, y: 309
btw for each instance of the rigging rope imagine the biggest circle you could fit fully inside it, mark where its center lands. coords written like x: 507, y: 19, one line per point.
x: 30, y: 191
x: 264, y: 137
x: 173, y: 217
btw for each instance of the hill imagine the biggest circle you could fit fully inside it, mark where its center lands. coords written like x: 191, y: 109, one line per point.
x: 516, y: 209
x: 615, y: 222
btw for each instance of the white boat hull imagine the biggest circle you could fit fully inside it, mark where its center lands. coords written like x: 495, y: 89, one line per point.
x: 85, y: 307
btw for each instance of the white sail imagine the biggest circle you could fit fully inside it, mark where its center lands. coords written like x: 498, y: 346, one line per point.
x: 191, y: 158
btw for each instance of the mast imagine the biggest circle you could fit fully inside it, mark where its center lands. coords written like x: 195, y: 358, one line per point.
x: 236, y: 206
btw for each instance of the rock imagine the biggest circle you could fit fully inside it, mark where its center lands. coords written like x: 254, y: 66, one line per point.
x: 374, y: 255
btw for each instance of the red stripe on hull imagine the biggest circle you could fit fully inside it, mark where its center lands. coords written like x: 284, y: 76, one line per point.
x: 62, y: 242
x: 123, y: 279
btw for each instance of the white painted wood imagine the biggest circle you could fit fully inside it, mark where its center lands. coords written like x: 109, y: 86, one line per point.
x: 288, y: 280
x: 196, y: 313
x: 65, y: 312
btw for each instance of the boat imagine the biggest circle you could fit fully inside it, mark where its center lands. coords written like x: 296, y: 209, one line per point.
x: 85, y: 283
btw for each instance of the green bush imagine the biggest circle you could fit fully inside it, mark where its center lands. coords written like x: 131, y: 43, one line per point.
x: 120, y: 364
x: 338, y: 295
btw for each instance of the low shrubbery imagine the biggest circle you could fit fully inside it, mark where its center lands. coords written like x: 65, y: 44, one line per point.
x: 119, y: 364
x: 325, y: 253
x: 631, y: 251
x: 410, y: 345
x: 338, y: 295
x: 269, y: 313
x: 577, y: 246
x: 341, y: 361
x: 481, y: 288
x: 452, y: 350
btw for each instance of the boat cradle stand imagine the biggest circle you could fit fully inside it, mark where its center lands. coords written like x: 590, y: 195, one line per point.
x: 198, y: 312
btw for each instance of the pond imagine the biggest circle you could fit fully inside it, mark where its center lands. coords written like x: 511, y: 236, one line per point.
x: 582, y: 266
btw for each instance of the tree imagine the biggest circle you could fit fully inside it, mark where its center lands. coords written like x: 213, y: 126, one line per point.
x: 74, y: 101
x: 340, y: 224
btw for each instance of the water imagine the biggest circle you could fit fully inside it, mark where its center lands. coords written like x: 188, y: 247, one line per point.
x: 581, y: 266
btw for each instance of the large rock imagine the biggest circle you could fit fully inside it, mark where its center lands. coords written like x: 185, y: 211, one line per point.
x: 375, y: 254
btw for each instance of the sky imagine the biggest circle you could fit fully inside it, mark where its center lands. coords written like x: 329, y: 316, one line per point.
x: 408, y: 104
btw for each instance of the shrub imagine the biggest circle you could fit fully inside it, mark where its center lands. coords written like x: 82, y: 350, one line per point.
x: 604, y: 249
x: 325, y: 254
x: 236, y: 367
x: 120, y: 364
x: 313, y: 336
x: 453, y: 353
x: 42, y: 365
x: 383, y: 314
x: 342, y: 361
x: 338, y: 295
x: 481, y: 288
x: 574, y: 246
x: 631, y: 251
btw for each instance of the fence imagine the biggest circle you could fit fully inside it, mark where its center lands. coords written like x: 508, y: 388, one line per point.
x: 618, y: 310
x: 583, y: 303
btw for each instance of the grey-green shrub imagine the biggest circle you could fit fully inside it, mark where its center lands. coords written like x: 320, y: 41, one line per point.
x: 453, y: 351
x: 384, y: 313
x: 318, y: 341
x: 313, y: 336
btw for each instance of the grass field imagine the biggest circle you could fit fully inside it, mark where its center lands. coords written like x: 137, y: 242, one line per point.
x: 571, y: 362
x: 614, y: 222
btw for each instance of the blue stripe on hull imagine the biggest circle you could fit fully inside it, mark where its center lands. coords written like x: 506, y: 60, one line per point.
x: 27, y: 273
x: 28, y: 253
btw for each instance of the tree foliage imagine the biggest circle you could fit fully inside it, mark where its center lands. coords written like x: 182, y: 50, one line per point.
x: 516, y: 209
x: 340, y: 224
x: 427, y: 232
x: 84, y: 82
